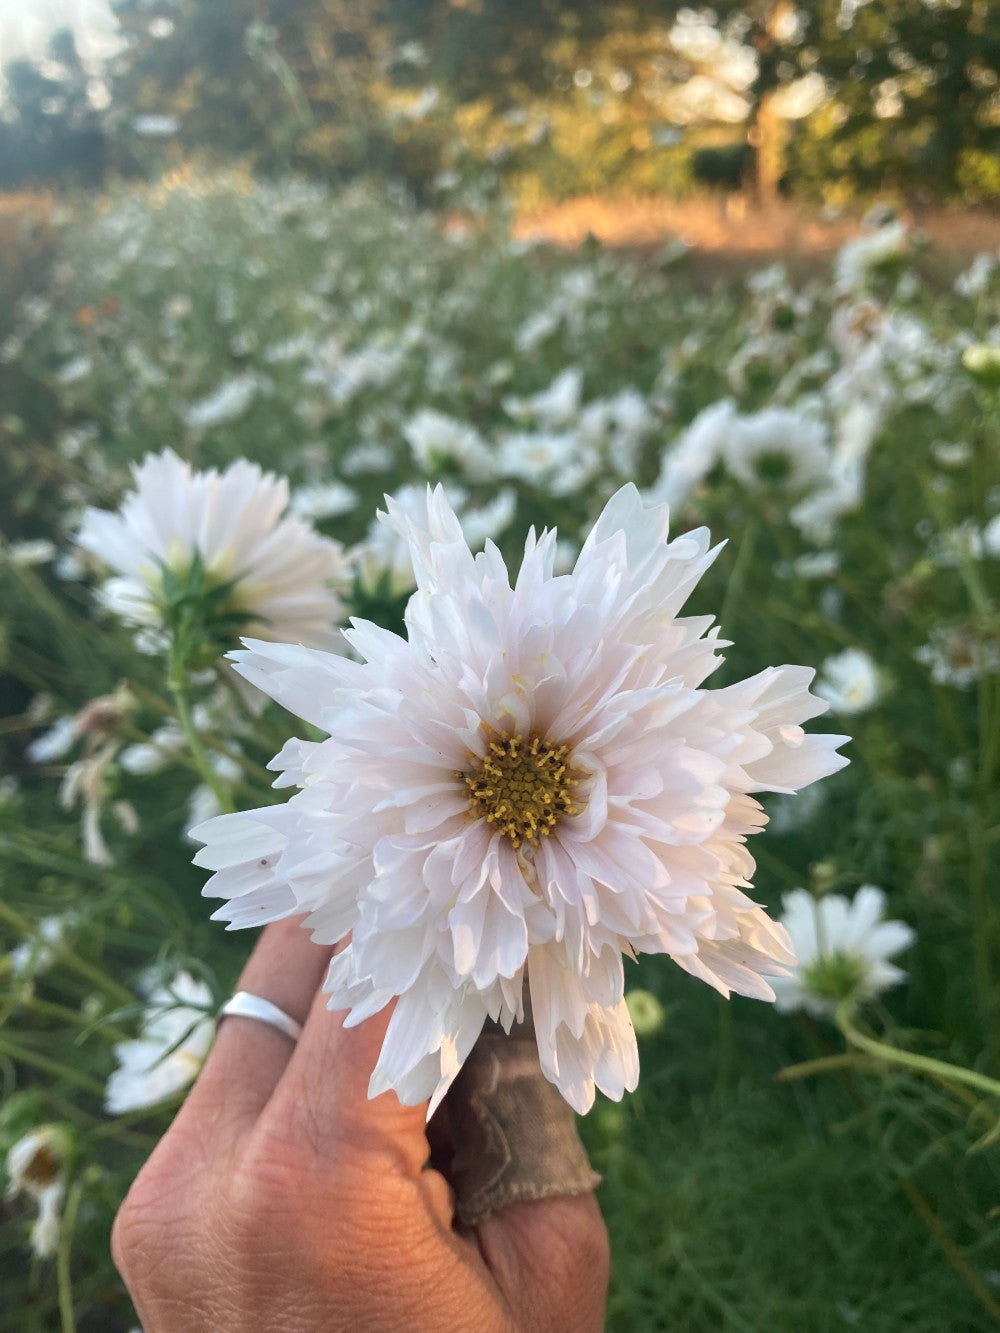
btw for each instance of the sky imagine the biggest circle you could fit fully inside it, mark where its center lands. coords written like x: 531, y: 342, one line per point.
x: 27, y: 25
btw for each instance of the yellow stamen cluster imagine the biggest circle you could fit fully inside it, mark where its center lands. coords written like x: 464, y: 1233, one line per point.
x: 523, y: 786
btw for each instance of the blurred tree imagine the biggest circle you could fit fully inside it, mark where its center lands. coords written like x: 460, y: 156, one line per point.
x: 419, y: 89
x: 50, y: 127
x: 916, y: 91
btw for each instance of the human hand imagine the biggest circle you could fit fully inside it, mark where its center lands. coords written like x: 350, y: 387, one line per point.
x: 282, y: 1200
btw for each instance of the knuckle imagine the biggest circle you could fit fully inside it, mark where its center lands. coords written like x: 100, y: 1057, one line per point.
x: 144, y: 1221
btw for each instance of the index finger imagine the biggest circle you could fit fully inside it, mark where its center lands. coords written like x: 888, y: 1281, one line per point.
x: 249, y: 1057
x: 322, y: 1099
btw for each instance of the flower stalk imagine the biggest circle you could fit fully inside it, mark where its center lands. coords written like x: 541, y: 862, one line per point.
x: 920, y: 1064
x: 180, y: 690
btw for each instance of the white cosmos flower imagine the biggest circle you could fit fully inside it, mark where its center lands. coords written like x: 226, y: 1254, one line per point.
x: 563, y: 463
x: 436, y: 439
x: 693, y: 455
x: 843, y: 949
x: 849, y: 681
x: 38, y: 952
x: 554, y: 407
x: 227, y: 403
x: 175, y: 1036
x: 777, y: 444
x: 36, y: 1166
x: 531, y: 785
x: 863, y: 255
x: 282, y: 570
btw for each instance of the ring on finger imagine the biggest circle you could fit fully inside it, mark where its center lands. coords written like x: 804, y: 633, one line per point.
x: 244, y: 1004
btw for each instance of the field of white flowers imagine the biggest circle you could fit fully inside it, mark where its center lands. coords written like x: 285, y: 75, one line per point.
x: 825, y: 1163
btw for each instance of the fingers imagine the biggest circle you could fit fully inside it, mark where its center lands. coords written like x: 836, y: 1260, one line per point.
x: 322, y: 1099
x: 249, y: 1057
x: 551, y: 1261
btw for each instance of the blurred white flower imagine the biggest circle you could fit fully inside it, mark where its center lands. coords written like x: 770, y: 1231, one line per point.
x: 849, y: 681
x: 174, y: 1037
x: 37, y: 551
x: 536, y: 328
x: 55, y: 743
x: 324, y: 500
x: 155, y: 127
x: 957, y: 655
x: 98, y: 726
x: 226, y: 403
x: 951, y: 454
x: 344, y: 374
x: 864, y: 255
x: 282, y: 572
x: 816, y: 565
x: 487, y: 522
x: 553, y: 407
x: 26, y: 29
x: 531, y: 785
x: 561, y: 463
x: 38, y: 953
x: 779, y: 446
x: 974, y: 280
x: 436, y: 439
x: 965, y: 541
x: 843, y: 947
x: 693, y: 455
x: 71, y: 372
x: 203, y: 803
x: 369, y: 456
x: 36, y: 1166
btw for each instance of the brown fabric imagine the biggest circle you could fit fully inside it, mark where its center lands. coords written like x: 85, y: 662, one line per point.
x: 514, y: 1135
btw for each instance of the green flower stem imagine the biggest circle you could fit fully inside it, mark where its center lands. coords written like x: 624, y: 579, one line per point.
x: 848, y: 1060
x: 14, y: 1051
x: 270, y: 733
x: 179, y: 689
x: 921, y: 1064
x: 63, y: 1276
x: 824, y: 1064
x: 64, y: 1014
x: 73, y: 961
x: 741, y: 571
x: 949, y: 1249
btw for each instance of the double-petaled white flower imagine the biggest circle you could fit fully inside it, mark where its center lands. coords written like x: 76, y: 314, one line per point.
x: 530, y: 786
x: 281, y: 573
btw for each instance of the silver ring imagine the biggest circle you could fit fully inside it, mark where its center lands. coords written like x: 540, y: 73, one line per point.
x: 245, y: 1005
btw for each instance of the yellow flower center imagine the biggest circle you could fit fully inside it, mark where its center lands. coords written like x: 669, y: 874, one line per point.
x: 523, y: 786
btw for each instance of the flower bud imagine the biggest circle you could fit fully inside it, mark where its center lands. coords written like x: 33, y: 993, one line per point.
x: 982, y: 362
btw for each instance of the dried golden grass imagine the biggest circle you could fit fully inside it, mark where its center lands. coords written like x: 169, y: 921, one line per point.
x: 731, y: 232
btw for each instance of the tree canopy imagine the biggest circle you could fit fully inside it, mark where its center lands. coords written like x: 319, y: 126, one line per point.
x: 825, y: 97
